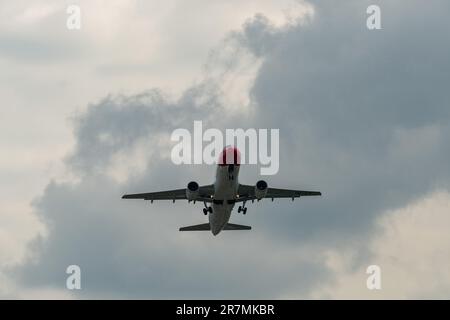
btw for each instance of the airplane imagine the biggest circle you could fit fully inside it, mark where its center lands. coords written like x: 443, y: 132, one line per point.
x: 223, y: 194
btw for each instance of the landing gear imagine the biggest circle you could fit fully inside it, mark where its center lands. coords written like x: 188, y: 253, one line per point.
x: 242, y: 209
x: 231, y: 172
x: 206, y: 209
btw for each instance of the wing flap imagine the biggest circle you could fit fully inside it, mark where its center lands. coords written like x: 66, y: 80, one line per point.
x: 286, y: 193
x: 247, y: 192
x: 205, y: 193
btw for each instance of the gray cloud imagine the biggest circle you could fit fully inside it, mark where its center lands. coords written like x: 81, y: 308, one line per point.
x: 349, y: 91
x: 363, y: 117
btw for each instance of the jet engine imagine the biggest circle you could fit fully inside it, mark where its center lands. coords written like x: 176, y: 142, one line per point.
x: 192, y: 190
x: 260, y: 189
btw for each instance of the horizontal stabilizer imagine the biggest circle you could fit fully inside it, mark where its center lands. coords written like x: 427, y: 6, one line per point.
x: 231, y: 226
x: 197, y: 227
x: 207, y: 227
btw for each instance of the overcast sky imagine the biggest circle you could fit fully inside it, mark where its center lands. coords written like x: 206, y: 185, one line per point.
x: 86, y: 116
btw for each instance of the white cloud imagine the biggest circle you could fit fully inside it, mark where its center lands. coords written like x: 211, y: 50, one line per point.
x: 50, y: 73
x: 412, y: 247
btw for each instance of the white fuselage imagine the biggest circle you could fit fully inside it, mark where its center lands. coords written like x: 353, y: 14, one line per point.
x: 225, y: 191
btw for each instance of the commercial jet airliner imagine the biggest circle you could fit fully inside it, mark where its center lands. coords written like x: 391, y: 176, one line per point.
x: 223, y: 194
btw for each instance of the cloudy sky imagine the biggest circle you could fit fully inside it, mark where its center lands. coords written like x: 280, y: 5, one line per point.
x: 86, y: 116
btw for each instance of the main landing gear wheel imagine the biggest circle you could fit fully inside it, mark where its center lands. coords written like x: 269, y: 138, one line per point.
x: 206, y: 210
x: 242, y: 209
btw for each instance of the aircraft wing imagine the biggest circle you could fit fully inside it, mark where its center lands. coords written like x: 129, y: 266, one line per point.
x: 247, y: 192
x: 205, y: 193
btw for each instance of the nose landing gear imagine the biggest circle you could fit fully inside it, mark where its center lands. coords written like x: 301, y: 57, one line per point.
x: 231, y: 172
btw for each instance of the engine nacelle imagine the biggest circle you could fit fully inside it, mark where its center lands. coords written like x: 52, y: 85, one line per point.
x: 260, y: 189
x: 192, y: 190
